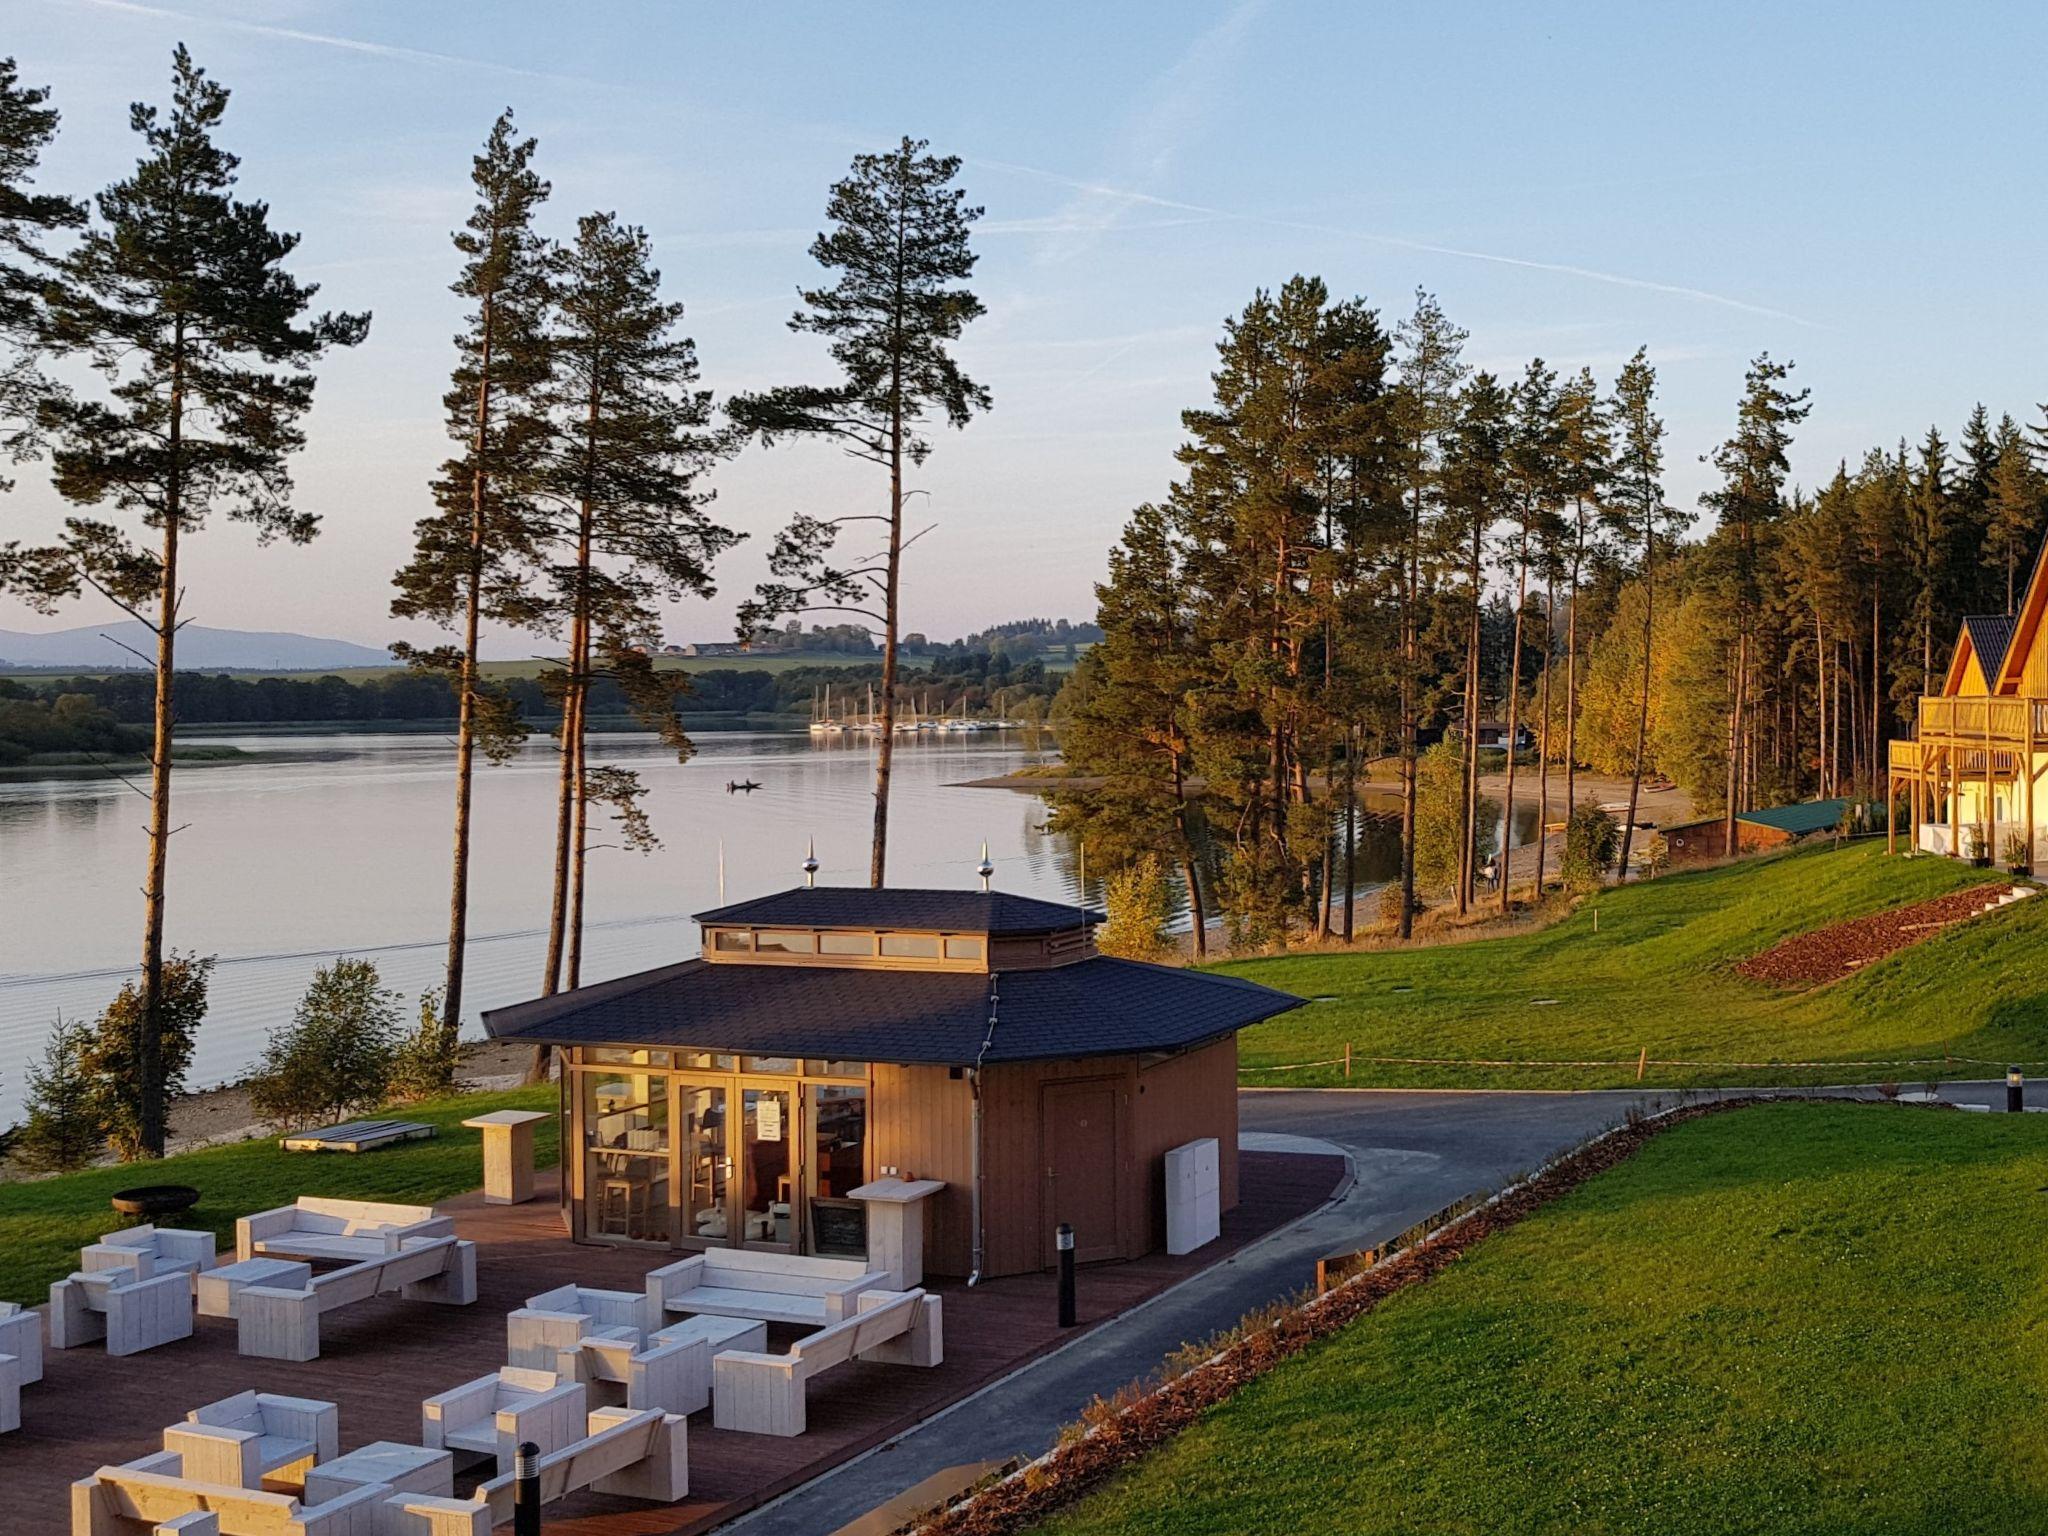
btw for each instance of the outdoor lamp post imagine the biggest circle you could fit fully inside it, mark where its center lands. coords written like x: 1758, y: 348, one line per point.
x: 2015, y: 1085
x: 526, y: 1490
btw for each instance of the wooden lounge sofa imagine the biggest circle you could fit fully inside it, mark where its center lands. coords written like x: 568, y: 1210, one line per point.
x: 145, y: 1496
x: 313, y: 1227
x: 147, y: 1251
x: 773, y: 1287
x: 763, y: 1394
x: 633, y: 1454
x: 493, y: 1414
x: 274, y: 1323
x: 131, y: 1315
x: 243, y: 1439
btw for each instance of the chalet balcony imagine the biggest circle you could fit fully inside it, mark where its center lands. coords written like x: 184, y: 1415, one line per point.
x: 1969, y: 773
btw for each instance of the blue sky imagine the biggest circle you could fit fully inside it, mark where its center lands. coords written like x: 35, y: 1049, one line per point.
x: 1857, y: 187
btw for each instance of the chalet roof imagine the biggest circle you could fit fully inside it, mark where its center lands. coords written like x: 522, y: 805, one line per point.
x: 1798, y: 819
x: 1095, y: 1007
x: 859, y: 906
x: 1990, y: 636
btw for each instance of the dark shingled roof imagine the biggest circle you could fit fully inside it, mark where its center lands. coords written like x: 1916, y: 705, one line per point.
x: 1094, y: 1007
x: 1990, y: 635
x: 860, y: 906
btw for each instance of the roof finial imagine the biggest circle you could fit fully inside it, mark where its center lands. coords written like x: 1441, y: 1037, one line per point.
x: 811, y: 863
x: 985, y: 869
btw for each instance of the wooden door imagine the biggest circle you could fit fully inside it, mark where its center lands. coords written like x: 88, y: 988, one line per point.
x: 1077, y: 1133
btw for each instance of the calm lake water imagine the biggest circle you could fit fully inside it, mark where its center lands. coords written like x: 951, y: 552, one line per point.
x: 339, y: 845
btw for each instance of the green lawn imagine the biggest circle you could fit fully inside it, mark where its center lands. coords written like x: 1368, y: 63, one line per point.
x: 1658, y: 973
x: 43, y: 1224
x: 1795, y: 1318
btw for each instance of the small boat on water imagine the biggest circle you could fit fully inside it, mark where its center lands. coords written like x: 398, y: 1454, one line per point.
x: 741, y: 786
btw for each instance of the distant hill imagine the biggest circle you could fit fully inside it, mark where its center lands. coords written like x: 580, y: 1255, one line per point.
x: 92, y: 646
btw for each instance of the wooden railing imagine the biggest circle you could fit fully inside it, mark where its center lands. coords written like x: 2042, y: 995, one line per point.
x: 2014, y: 722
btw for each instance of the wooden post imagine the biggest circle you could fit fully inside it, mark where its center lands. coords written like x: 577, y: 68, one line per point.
x: 1951, y: 772
x: 2028, y: 769
x: 1891, y: 822
x: 1990, y: 790
x: 1347, y: 1058
x: 1642, y: 1063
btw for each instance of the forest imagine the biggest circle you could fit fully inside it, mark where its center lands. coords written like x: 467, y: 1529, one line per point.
x: 1369, y: 543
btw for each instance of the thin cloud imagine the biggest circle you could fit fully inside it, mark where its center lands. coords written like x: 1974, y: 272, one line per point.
x: 330, y: 40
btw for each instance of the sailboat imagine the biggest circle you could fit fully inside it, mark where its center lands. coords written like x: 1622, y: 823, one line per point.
x: 822, y: 723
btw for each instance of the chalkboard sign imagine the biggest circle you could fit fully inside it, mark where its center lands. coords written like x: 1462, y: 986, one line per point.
x: 839, y: 1228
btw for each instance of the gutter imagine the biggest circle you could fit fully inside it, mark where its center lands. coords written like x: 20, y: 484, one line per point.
x: 974, y: 1091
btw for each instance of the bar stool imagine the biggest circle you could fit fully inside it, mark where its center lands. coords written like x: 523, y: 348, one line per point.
x: 623, y: 1198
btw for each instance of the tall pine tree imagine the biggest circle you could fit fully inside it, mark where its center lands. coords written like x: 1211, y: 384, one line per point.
x: 467, y: 553
x: 28, y: 124
x: 179, y: 297
x: 899, y: 244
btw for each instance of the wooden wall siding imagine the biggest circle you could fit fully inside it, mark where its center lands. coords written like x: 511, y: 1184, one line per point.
x: 1017, y: 1224
x: 1183, y: 1099
x: 1041, y: 951
x: 921, y: 1121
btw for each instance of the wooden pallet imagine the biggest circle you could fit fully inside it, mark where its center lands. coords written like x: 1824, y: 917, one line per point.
x: 357, y: 1136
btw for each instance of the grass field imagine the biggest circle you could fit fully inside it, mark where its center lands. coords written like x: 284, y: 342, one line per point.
x: 1658, y: 974
x: 1794, y: 1318
x: 44, y: 1223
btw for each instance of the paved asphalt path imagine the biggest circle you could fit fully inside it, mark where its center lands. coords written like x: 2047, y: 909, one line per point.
x: 1411, y: 1153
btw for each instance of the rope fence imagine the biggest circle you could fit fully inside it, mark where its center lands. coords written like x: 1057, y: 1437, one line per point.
x: 1640, y: 1062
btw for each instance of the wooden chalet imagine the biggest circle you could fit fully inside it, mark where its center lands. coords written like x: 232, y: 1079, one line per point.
x: 1970, y: 771
x: 830, y: 1037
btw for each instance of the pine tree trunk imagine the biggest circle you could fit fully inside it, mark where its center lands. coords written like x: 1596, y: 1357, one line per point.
x: 1351, y: 747
x: 1514, y: 721
x: 465, y: 704
x: 885, y: 747
x: 1571, y: 677
x: 1198, y: 916
x: 152, y: 1112
x: 1635, y: 774
x: 1733, y: 790
x: 579, y: 856
x: 1469, y: 828
x: 565, y: 799
x: 1411, y: 596
x: 1543, y: 733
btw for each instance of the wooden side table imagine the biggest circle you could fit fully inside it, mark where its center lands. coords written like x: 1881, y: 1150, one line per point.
x: 508, y: 1154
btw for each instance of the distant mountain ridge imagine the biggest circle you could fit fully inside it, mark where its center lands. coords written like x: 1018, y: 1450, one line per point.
x: 98, y: 647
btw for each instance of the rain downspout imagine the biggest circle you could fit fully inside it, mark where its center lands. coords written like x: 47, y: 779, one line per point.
x: 974, y: 1088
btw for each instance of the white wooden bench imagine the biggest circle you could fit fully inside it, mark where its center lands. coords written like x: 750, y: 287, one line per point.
x: 316, y: 1227
x: 773, y: 1287
x: 762, y: 1394
x: 275, y: 1323
x: 633, y: 1455
x: 147, y: 1251
x: 131, y: 1315
x: 132, y: 1500
x: 493, y: 1414
x: 240, y: 1440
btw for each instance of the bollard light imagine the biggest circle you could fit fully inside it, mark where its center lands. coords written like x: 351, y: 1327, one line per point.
x: 1063, y: 1239
x: 2015, y: 1086
x: 526, y: 1490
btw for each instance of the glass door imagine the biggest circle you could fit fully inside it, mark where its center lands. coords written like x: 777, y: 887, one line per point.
x: 838, y: 1115
x: 626, y: 1174
x: 707, y: 1163
x: 765, y: 1210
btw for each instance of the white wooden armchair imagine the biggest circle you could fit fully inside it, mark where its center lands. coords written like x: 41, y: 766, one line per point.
x: 147, y: 1251
x: 493, y: 1414
x: 21, y: 1335
x: 240, y: 1440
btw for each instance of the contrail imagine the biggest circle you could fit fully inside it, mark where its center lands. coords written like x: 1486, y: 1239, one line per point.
x: 329, y: 40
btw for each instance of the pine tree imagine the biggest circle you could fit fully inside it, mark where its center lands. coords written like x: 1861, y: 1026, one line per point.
x: 1535, y: 482
x: 1748, y: 502
x: 467, y: 553
x: 2014, y: 514
x: 179, y: 296
x: 899, y: 243
x: 1431, y: 371
x: 28, y: 125
x: 632, y: 435
x: 1929, y: 515
x: 1585, y: 448
x: 1640, y: 513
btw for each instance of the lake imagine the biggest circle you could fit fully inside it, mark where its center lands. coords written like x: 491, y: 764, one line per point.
x: 339, y: 845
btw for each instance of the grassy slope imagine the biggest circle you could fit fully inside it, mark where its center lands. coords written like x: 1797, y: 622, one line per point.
x: 1659, y: 973
x: 44, y: 1223
x: 1793, y: 1318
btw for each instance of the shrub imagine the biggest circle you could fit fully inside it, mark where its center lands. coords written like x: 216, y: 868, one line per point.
x: 423, y: 1065
x: 1139, y: 910
x: 336, y: 1055
x: 111, y: 1059
x: 1590, y: 841
x: 2019, y: 852
x: 1440, y: 816
x: 63, y: 1130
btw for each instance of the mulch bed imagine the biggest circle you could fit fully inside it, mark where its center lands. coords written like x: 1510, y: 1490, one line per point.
x: 1827, y: 954
x: 1119, y: 1433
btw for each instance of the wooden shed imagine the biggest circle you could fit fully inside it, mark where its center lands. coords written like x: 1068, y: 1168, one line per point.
x: 829, y: 1037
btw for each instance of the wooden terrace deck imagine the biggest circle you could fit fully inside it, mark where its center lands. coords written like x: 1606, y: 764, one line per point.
x: 379, y: 1359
